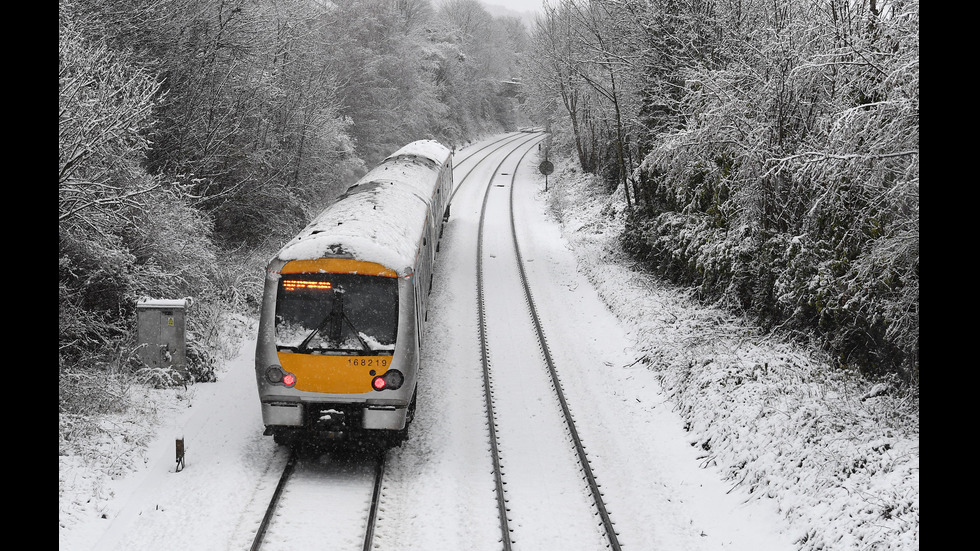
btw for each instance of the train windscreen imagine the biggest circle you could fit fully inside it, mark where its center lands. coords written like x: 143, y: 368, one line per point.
x: 337, y: 314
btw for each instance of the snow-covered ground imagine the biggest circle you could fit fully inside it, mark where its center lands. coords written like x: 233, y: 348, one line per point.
x: 706, y: 434
x: 838, y: 457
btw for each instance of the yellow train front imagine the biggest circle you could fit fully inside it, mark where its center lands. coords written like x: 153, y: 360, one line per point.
x: 341, y: 326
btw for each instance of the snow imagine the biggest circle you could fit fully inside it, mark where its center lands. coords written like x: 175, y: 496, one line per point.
x: 161, y: 303
x: 338, y: 231
x: 370, y: 228
x: 430, y: 149
x: 705, y: 433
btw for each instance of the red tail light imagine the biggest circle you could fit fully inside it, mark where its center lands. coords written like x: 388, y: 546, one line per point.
x: 276, y: 375
x: 391, y: 380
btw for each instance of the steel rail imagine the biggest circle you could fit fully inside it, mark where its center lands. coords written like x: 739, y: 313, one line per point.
x: 475, y: 153
x: 494, y: 150
x: 271, y: 509
x: 579, y: 448
x: 379, y: 473
x: 606, y: 520
x: 511, y: 137
x: 487, y: 387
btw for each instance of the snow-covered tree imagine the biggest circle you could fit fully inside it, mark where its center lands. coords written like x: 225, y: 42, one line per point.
x: 777, y: 153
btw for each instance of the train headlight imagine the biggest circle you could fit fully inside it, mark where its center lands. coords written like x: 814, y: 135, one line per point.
x: 391, y: 380
x: 276, y: 375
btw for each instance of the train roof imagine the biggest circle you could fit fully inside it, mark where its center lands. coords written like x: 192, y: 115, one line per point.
x: 429, y: 149
x: 381, y: 217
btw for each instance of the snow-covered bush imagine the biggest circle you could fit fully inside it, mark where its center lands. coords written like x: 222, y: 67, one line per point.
x: 790, y: 192
x: 837, y: 454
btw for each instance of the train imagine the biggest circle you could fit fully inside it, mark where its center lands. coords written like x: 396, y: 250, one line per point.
x: 341, y: 323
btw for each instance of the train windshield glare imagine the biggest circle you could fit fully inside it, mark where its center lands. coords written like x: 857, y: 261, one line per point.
x: 336, y: 314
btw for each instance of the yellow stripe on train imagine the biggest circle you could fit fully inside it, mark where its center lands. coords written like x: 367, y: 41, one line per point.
x: 337, y: 266
x: 334, y: 374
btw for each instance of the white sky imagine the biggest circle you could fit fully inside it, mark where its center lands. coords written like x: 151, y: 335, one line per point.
x: 517, y: 5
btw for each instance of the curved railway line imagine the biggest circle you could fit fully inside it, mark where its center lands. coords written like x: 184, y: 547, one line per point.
x: 307, y: 484
x: 276, y: 508
x: 588, y: 475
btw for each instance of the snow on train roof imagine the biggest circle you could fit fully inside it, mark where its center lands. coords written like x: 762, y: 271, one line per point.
x: 379, y: 218
x: 424, y: 148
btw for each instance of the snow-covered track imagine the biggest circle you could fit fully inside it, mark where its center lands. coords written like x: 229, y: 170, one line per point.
x: 271, y: 509
x: 590, y: 478
x: 480, y: 155
x: 503, y: 140
x: 303, y: 511
x: 519, y: 380
x: 520, y: 139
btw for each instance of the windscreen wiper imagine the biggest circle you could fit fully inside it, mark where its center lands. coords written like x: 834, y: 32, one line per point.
x: 335, y: 319
x: 303, y: 346
x: 364, y: 345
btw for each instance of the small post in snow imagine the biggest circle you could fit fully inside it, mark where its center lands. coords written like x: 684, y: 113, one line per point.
x: 180, y: 453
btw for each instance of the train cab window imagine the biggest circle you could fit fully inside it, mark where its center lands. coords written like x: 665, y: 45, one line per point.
x: 337, y: 314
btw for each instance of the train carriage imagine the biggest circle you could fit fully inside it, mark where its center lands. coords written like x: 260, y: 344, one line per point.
x: 341, y: 325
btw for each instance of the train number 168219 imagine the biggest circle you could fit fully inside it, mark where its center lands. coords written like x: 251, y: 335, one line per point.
x: 369, y: 362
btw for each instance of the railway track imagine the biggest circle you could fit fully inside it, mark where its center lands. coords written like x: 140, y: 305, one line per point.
x: 294, y: 513
x: 513, y: 379
x: 484, y: 152
x: 309, y: 484
x: 303, y: 509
